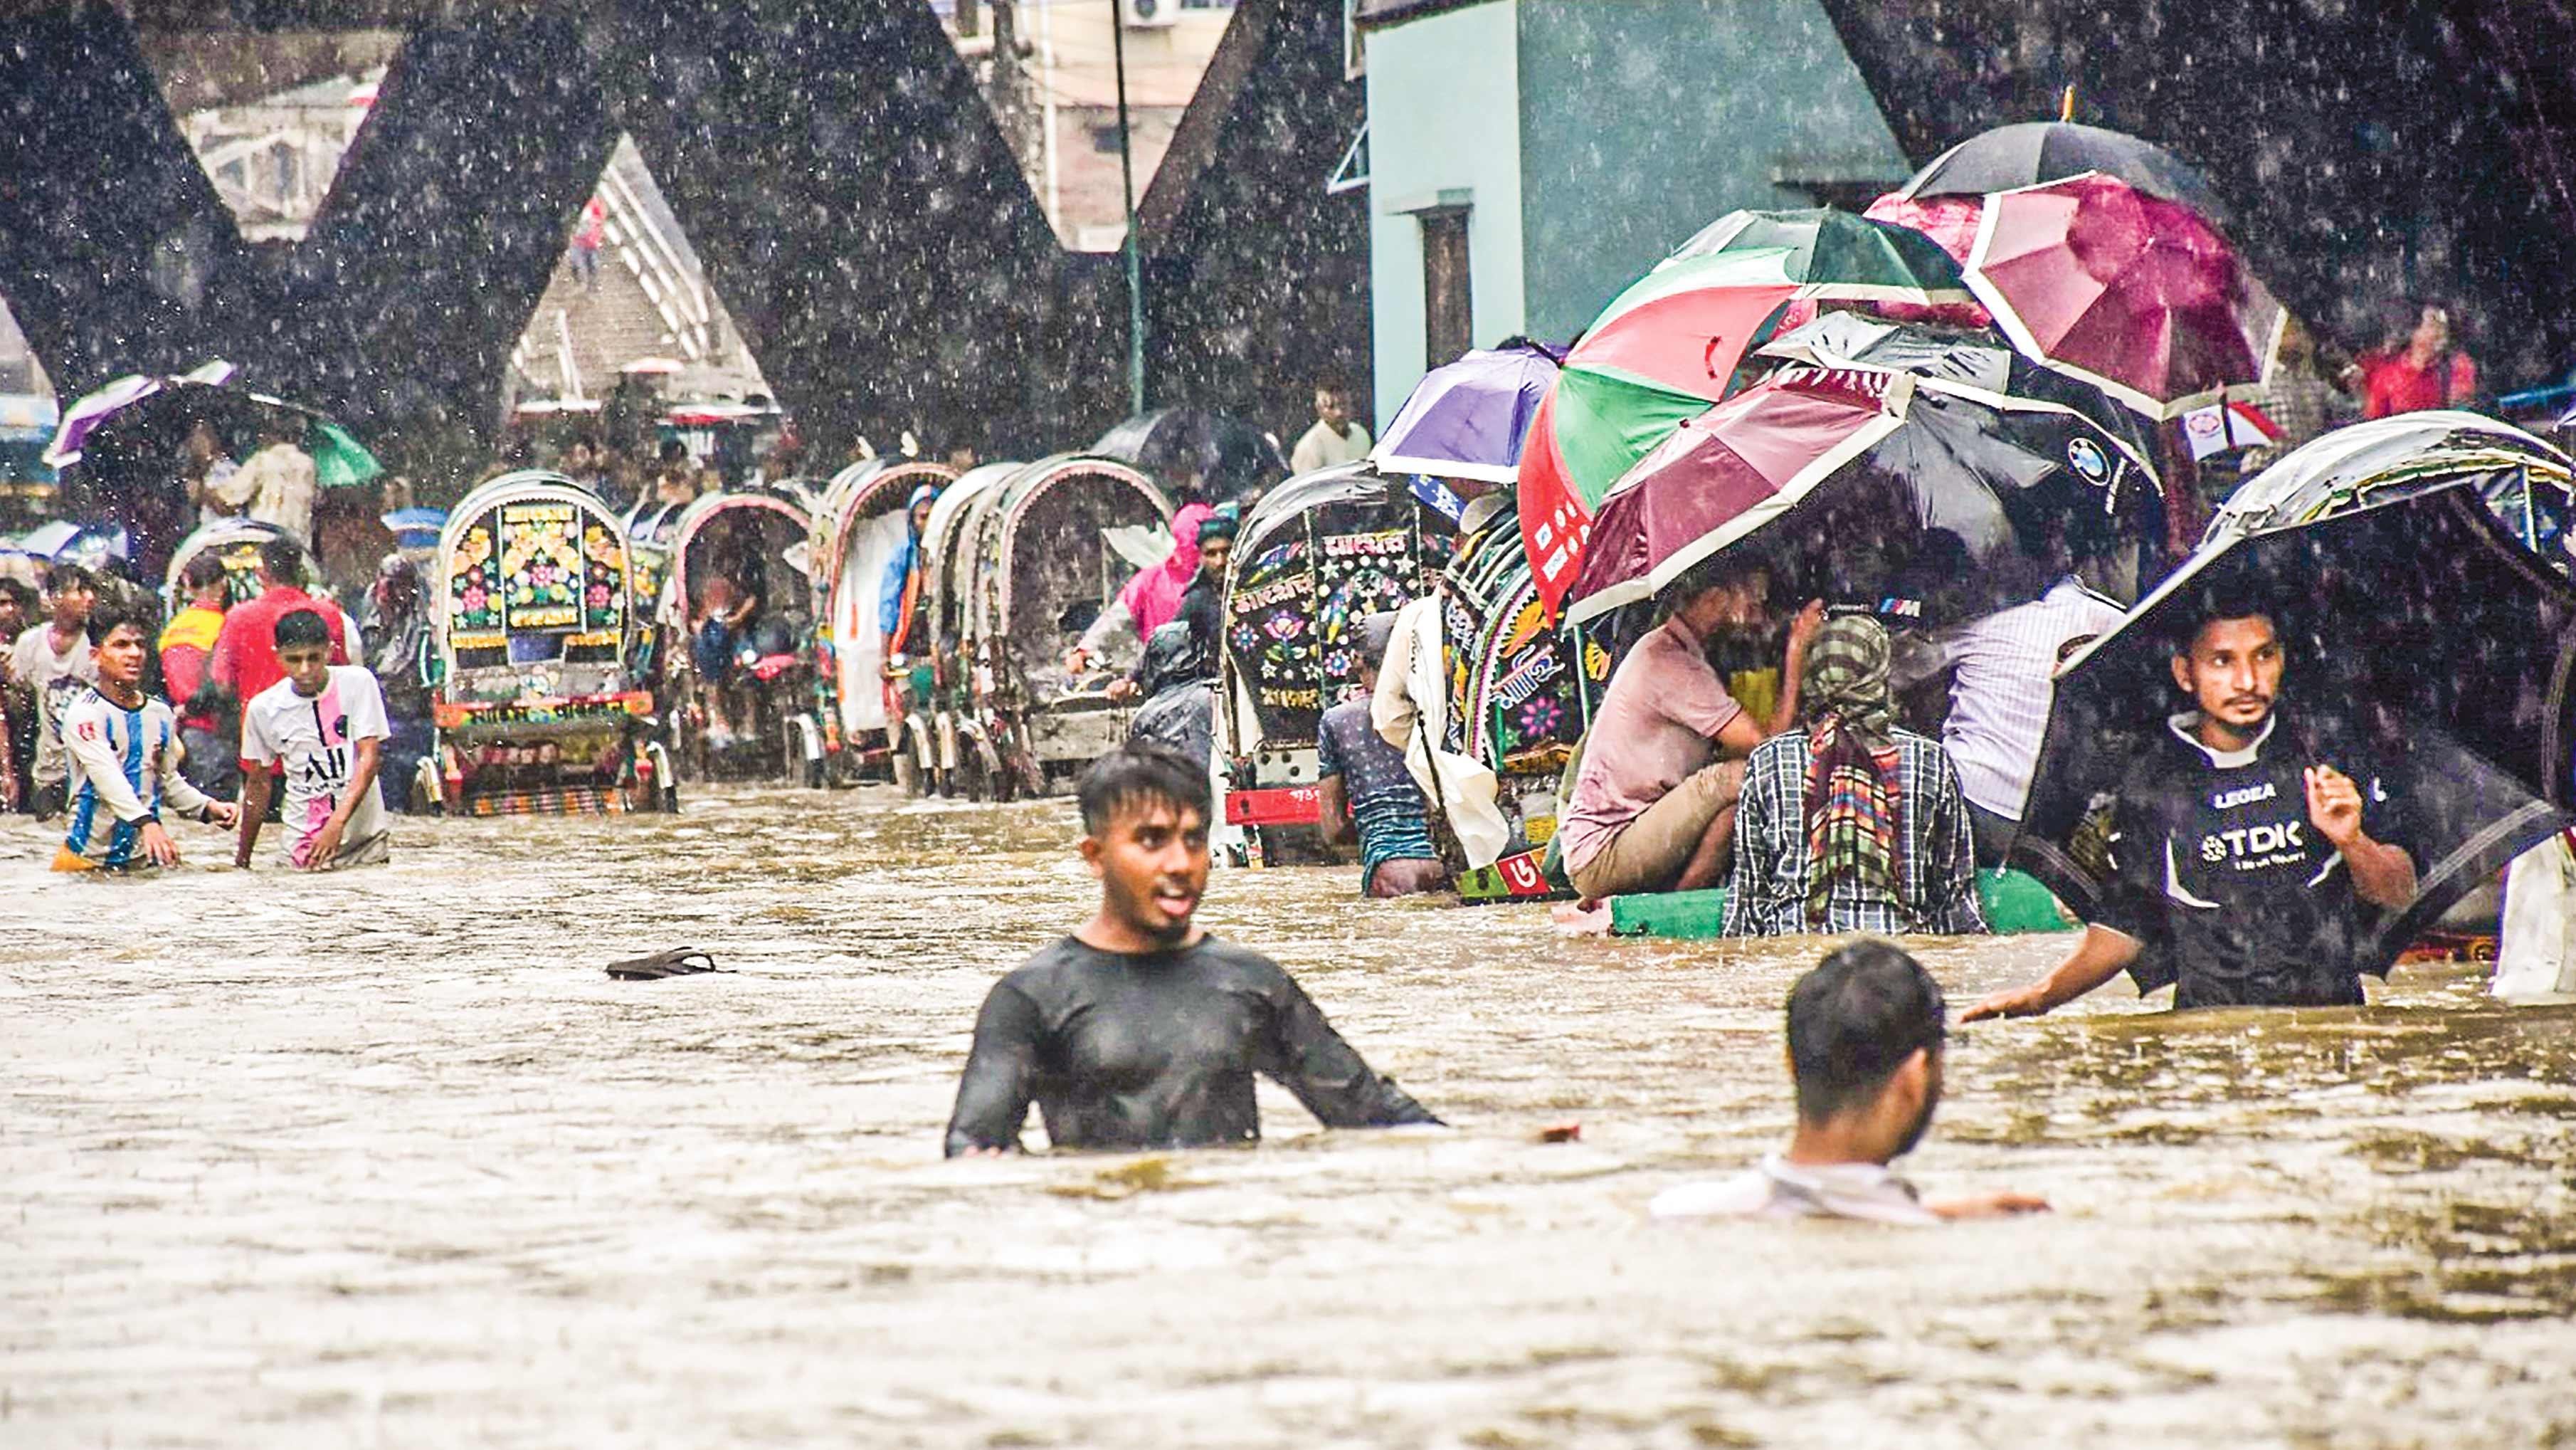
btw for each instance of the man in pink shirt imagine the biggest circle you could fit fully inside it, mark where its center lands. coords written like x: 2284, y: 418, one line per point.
x: 245, y: 658
x: 1654, y: 805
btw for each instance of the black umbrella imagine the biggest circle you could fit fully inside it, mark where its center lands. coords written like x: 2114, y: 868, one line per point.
x: 1228, y: 456
x: 2417, y: 633
x: 2030, y: 152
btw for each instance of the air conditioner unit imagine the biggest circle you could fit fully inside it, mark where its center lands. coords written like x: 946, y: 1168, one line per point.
x: 1149, y: 14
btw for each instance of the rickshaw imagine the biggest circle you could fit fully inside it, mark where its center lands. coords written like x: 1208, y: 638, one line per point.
x: 734, y: 542
x: 237, y: 542
x: 860, y: 520
x: 1319, y: 555
x: 541, y: 705
x: 1025, y: 561
x: 1521, y: 693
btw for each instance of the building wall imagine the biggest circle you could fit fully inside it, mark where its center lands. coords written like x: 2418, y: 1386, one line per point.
x: 1445, y: 105
x: 1643, y: 121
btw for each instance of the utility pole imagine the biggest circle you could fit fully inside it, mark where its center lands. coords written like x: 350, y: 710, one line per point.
x: 1134, y: 245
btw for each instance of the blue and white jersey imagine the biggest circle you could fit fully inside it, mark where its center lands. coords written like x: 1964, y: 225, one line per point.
x: 124, y: 766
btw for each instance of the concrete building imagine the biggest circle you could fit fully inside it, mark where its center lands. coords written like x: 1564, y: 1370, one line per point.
x: 1529, y: 158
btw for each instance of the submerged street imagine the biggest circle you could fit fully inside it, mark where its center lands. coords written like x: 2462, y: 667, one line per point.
x: 383, y: 1157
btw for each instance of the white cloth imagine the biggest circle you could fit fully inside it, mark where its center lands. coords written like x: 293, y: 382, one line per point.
x: 1411, y: 711
x: 124, y: 767
x: 1321, y: 447
x: 314, y: 739
x: 1780, y: 1189
x: 283, y: 481
x: 55, y: 679
x: 225, y: 484
x: 2536, y: 941
x: 2000, y: 697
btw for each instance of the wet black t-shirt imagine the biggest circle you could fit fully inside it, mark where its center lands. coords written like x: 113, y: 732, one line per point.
x: 1156, y: 1050
x: 2222, y: 877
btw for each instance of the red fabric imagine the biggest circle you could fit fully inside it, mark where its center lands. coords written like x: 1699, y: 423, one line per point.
x: 1948, y: 220
x: 2393, y: 384
x: 246, y: 652
x: 594, y: 226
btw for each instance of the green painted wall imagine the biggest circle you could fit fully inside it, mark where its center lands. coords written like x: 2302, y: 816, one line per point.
x: 1444, y: 116
x: 1644, y: 120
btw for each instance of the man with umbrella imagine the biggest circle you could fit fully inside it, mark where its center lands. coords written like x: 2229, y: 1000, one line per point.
x: 2244, y: 861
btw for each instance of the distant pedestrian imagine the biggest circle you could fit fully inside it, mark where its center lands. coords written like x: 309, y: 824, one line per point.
x: 1866, y: 1034
x: 214, y: 482
x: 281, y: 479
x: 187, y: 648
x: 400, y: 655
x: 323, y: 728
x: 587, y: 237
x: 2303, y: 399
x: 1336, y: 436
x: 47, y: 666
x: 2419, y: 371
x: 1365, y: 789
x: 245, y: 660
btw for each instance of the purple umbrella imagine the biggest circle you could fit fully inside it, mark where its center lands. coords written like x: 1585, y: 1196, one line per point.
x: 83, y: 417
x: 1467, y: 420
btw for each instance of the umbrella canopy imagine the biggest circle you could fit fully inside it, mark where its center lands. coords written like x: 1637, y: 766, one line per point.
x: 2136, y: 295
x: 1468, y: 419
x: 82, y: 418
x: 2416, y: 634
x: 1660, y: 353
x: 1229, y: 456
x: 2529, y: 486
x: 1843, y: 256
x: 1971, y: 357
x: 2032, y: 152
x: 1920, y: 488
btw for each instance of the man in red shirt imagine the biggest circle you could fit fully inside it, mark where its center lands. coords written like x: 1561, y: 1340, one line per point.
x: 2424, y: 374
x: 187, y: 647
x: 245, y: 660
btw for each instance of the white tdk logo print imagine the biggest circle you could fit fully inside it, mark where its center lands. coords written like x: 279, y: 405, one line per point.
x: 2241, y: 843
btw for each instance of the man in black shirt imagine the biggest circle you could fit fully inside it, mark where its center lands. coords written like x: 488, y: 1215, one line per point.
x: 2244, y: 868
x: 1140, y: 1030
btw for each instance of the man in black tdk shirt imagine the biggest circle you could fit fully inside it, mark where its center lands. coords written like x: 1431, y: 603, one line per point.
x: 2242, y: 861
x: 1140, y: 1030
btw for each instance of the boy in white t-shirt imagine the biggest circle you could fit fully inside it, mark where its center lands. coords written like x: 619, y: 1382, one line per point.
x: 322, y: 727
x: 124, y: 756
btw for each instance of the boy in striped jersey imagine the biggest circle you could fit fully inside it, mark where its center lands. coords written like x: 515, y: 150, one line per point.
x: 124, y: 754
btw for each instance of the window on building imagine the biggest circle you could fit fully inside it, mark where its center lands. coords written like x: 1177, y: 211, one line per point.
x: 1448, y: 295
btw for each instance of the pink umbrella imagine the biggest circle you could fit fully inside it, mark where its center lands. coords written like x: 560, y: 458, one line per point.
x: 1952, y: 222
x: 2136, y: 295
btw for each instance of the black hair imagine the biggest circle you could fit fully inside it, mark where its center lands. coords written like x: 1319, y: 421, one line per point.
x: 105, y: 620
x: 1853, y: 1022
x: 26, y: 597
x: 301, y: 627
x: 1728, y: 569
x: 69, y: 576
x: 282, y: 559
x: 202, y: 570
x: 1140, y: 773
x: 2222, y: 601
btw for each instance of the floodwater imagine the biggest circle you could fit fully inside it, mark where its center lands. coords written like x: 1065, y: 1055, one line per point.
x: 384, y: 1158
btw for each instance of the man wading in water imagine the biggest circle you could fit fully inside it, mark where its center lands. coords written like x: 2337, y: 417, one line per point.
x: 1140, y: 1030
x: 2242, y: 863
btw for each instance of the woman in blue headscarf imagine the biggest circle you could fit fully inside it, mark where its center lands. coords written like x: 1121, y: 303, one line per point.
x: 902, y: 587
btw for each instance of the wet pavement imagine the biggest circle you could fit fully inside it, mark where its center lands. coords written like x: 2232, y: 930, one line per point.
x: 384, y: 1158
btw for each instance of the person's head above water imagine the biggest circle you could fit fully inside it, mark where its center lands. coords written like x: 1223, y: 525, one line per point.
x: 281, y: 560
x: 203, y: 574
x: 304, y: 650
x: 2229, y: 665
x: 1865, y: 1035
x: 119, y: 638
x: 1216, y: 543
x: 1145, y: 835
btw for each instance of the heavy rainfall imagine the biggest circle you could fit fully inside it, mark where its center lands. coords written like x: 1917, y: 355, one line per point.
x: 1785, y: 722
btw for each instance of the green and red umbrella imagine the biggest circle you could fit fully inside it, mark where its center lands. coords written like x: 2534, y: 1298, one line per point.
x: 1661, y: 353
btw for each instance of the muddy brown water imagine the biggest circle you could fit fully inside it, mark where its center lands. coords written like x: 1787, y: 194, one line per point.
x: 385, y: 1159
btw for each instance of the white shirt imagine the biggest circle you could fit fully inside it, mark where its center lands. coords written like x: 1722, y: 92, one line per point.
x: 2000, y: 697
x: 1778, y: 1188
x: 124, y: 768
x: 1322, y: 447
x: 284, y: 478
x: 314, y: 738
x: 55, y: 678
